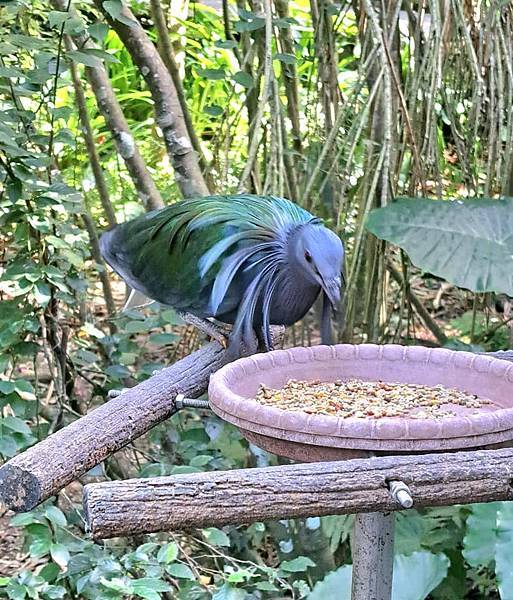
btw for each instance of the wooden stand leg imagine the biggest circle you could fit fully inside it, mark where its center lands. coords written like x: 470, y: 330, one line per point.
x: 373, y: 556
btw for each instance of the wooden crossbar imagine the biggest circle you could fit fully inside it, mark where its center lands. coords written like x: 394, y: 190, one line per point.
x: 118, y: 508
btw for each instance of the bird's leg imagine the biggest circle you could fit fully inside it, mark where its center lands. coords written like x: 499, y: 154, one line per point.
x: 215, y: 331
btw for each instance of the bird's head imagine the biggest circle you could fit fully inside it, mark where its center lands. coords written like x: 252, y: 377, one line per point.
x: 319, y: 255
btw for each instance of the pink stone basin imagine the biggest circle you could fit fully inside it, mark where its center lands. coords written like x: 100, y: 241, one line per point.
x: 303, y: 436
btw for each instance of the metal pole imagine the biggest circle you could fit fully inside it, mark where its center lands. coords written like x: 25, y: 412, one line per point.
x: 373, y: 556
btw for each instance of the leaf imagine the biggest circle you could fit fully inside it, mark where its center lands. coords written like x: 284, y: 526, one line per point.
x: 82, y: 57
x: 244, y: 79
x: 289, y: 59
x: 56, y: 18
x: 149, y: 587
x: 42, y: 293
x: 467, y: 242
x: 225, y: 44
x: 213, y: 110
x: 489, y: 537
x: 168, y: 553
x: 98, y: 31
x: 480, y: 537
x: 296, y: 565
x: 503, y: 551
x: 7, y: 387
x: 214, y: 74
x: 229, y: 592
x: 216, y: 537
x: 254, y: 25
x: 335, y: 586
x: 415, y: 576
x: 60, y: 555
x: 180, y: 570
x: 114, y: 8
x: 162, y: 339
x: 16, y: 424
x: 55, y: 516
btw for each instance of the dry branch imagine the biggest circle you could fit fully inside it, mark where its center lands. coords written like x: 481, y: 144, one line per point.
x: 44, y: 469
x: 168, y: 111
x: 299, y: 490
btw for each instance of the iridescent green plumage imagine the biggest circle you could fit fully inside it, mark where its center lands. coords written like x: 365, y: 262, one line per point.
x: 219, y: 256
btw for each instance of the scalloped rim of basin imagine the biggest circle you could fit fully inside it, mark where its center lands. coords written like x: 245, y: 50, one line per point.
x: 387, y: 433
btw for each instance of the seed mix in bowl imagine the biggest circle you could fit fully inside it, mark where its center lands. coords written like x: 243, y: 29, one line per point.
x: 374, y: 399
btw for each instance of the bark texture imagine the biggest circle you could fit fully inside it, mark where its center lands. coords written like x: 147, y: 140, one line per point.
x: 87, y: 131
x: 44, y: 469
x: 168, y: 111
x: 299, y: 490
x: 112, y: 112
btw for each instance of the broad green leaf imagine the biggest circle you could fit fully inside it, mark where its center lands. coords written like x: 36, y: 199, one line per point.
x: 212, y: 73
x: 56, y: 18
x: 168, y: 553
x: 244, y: 79
x: 489, y: 538
x: 55, y: 516
x: 481, y: 535
x: 60, y: 555
x: 417, y: 575
x: 149, y: 588
x: 229, y: 592
x: 216, y: 537
x: 15, y: 424
x: 226, y: 44
x: 296, y: 565
x: 83, y: 57
x: 114, y: 8
x: 213, y: 110
x: 467, y: 242
x: 289, y: 59
x: 335, y: 586
x: 98, y: 31
x: 162, y: 339
x: 180, y: 570
x: 504, y: 550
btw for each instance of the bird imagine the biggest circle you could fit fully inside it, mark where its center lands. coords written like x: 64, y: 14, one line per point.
x: 244, y: 260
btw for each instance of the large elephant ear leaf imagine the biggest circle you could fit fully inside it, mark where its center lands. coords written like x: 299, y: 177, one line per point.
x: 466, y: 242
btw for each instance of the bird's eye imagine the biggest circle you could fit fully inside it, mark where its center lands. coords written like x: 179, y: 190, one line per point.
x: 308, y: 256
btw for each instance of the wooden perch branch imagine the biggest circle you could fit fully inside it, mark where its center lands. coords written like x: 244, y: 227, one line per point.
x: 41, y: 471
x: 300, y: 490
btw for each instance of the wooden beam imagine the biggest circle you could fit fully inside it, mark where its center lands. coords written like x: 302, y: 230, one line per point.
x: 44, y: 469
x: 299, y: 490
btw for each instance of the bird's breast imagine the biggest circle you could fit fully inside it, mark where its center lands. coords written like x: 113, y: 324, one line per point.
x: 292, y: 301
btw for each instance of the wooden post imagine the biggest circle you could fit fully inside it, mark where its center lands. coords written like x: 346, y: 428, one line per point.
x: 373, y: 556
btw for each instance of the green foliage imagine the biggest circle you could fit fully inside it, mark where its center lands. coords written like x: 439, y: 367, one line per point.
x: 54, y: 330
x: 467, y: 242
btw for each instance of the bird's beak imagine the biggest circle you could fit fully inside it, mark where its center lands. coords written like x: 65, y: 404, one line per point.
x: 332, y: 289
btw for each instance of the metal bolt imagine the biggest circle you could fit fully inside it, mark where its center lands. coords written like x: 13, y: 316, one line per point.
x: 400, y: 493
x: 182, y: 402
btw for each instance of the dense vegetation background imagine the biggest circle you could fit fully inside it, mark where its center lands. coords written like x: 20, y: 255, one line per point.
x: 340, y: 106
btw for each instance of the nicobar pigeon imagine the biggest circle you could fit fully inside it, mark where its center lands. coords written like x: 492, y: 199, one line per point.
x: 245, y: 260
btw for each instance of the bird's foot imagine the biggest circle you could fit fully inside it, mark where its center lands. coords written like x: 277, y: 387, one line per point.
x: 215, y: 331
x: 115, y: 393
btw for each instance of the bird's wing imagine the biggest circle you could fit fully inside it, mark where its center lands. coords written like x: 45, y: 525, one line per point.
x: 174, y: 254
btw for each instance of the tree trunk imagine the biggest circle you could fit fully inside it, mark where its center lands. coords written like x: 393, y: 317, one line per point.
x: 112, y: 112
x: 94, y: 159
x: 168, y: 111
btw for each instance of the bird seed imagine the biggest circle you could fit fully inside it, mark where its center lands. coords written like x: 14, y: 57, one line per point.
x: 371, y: 399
